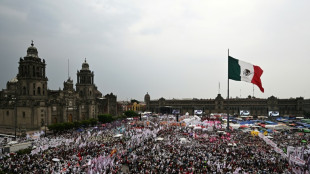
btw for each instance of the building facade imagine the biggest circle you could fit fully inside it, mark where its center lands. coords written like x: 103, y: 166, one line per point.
x: 27, y: 103
x: 255, y: 106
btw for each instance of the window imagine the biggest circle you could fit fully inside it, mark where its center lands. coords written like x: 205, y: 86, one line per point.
x: 33, y: 71
x: 7, y: 113
x: 24, y: 90
x: 34, y: 89
x: 24, y: 115
x: 39, y: 91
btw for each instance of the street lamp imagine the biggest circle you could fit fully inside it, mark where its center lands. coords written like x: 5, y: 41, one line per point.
x: 15, y: 115
x: 45, y: 121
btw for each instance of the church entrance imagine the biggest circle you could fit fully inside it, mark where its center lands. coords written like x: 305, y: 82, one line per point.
x: 70, y: 118
x: 55, y: 120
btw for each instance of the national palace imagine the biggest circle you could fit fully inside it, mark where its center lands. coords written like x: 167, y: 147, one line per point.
x: 256, y: 106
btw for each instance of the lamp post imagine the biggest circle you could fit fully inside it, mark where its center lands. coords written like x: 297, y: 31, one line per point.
x: 15, y: 115
x: 45, y: 121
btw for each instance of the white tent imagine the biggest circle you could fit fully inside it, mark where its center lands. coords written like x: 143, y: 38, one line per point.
x: 159, y: 139
x: 183, y: 140
x: 234, y: 126
x: 270, y: 126
x: 118, y: 135
x: 197, y: 128
x: 12, y: 142
x: 192, y: 120
x: 55, y: 159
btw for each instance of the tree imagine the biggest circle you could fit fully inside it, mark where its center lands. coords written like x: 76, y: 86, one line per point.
x: 93, y: 121
x: 105, y: 118
x: 77, y: 124
x: 131, y: 114
x: 85, y: 123
x: 134, y: 100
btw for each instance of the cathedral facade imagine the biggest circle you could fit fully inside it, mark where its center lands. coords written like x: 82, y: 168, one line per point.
x: 27, y: 103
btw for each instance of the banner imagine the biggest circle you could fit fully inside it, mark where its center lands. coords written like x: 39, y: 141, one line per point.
x: 273, y: 113
x: 197, y: 112
x: 244, y: 113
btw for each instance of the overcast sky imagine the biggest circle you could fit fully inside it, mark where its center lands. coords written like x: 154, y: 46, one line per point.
x: 171, y: 49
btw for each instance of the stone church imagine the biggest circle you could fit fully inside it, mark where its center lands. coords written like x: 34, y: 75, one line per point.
x: 27, y: 103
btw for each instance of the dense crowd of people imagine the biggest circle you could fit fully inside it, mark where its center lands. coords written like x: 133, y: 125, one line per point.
x: 134, y: 147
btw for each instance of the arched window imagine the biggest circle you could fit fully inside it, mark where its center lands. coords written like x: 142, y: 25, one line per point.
x: 34, y: 89
x: 33, y: 71
x: 89, y: 93
x: 39, y: 91
x: 24, y: 90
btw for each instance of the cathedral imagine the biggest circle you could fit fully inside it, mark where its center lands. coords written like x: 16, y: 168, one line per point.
x: 27, y: 103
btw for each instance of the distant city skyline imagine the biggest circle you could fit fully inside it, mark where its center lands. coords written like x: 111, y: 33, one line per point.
x: 171, y: 49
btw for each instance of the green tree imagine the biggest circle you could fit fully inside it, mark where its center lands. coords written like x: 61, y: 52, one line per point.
x: 134, y: 100
x: 130, y: 114
x: 77, y: 124
x: 105, y: 118
x: 93, y: 121
x: 86, y: 123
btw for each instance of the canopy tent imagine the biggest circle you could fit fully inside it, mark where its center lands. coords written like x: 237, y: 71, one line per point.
x: 55, y: 159
x: 183, y: 140
x: 306, y: 130
x: 270, y: 126
x: 12, y: 142
x: 232, y: 144
x: 235, y: 126
x: 270, y: 122
x: 197, y: 128
x: 204, y: 129
x: 118, y: 135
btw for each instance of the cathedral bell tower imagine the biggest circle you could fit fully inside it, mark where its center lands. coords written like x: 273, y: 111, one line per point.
x: 31, y: 75
x: 85, y: 82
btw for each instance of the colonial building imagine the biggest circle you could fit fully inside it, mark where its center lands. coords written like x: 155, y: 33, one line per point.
x: 27, y: 103
x: 255, y: 106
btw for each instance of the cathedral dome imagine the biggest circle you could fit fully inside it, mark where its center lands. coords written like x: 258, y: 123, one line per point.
x: 85, y: 65
x: 32, y: 51
x: 147, y: 97
x: 14, y: 80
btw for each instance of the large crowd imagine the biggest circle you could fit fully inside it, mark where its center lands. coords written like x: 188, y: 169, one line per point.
x: 134, y: 147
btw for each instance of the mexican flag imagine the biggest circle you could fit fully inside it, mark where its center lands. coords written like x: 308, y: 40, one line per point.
x: 243, y: 71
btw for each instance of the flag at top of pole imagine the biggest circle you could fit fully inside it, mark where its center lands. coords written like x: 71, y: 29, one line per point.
x: 243, y: 71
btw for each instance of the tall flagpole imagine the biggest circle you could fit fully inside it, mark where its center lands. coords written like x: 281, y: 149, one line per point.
x: 228, y: 93
x: 253, y: 90
x: 68, y: 69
